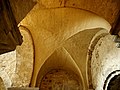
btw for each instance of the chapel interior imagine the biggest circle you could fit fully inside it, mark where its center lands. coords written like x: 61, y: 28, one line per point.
x: 59, y: 44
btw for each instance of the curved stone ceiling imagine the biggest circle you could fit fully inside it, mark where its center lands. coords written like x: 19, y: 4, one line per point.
x: 60, y: 59
x: 52, y: 27
x: 108, y: 9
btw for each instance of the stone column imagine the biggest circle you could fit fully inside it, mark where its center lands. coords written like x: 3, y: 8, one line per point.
x: 23, y: 88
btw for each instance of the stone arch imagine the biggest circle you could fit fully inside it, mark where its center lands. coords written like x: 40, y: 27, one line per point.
x: 105, y: 59
x: 24, y: 60
x: 60, y: 79
x: 52, y: 27
x: 91, y: 47
x: 64, y: 62
x: 80, y: 43
x: 18, y: 65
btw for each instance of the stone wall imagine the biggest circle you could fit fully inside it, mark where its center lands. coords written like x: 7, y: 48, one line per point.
x: 51, y: 27
x: 24, y: 61
x: 58, y: 79
x: 60, y: 60
x: 7, y: 67
x: 16, y: 67
x: 72, y: 56
x: 105, y: 59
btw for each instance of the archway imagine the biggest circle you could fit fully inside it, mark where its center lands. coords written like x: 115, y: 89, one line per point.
x: 52, y: 27
x: 24, y: 60
x: 60, y: 62
x: 59, y: 79
x: 18, y: 65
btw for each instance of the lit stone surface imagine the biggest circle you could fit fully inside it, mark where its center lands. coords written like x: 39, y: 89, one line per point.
x: 16, y: 67
x: 54, y: 24
x: 7, y: 67
x: 105, y: 59
x: 24, y: 61
x: 61, y: 60
x: 50, y: 28
x: 72, y: 56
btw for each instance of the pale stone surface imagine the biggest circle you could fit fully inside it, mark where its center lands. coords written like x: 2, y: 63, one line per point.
x: 77, y: 46
x: 105, y: 59
x: 16, y: 67
x: 53, y: 24
x: 51, y: 27
x: 24, y: 61
x: 91, y: 47
x: 7, y: 67
x: 60, y: 59
x: 72, y: 56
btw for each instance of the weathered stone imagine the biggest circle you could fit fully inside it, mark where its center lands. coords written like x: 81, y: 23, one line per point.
x: 60, y: 80
x: 16, y: 67
x: 105, y: 59
x: 52, y: 27
x: 24, y: 61
x: 63, y: 32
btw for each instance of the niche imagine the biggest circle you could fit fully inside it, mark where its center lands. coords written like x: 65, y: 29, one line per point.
x: 60, y: 72
x: 60, y: 80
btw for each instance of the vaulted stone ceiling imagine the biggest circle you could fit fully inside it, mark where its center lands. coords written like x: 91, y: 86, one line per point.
x: 108, y: 9
x: 54, y: 25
